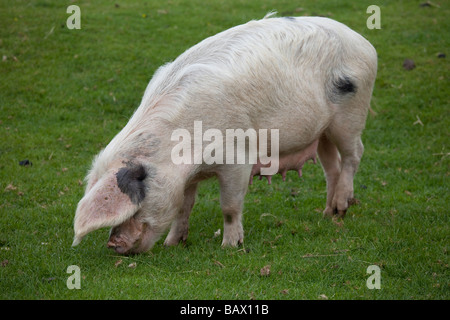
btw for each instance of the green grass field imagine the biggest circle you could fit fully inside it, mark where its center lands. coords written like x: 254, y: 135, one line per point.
x: 65, y: 93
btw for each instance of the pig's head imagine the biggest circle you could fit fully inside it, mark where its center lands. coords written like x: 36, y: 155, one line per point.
x: 136, y: 197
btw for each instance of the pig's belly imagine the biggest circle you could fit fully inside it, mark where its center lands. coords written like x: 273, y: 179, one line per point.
x: 289, y: 161
x: 298, y: 134
x: 300, y: 127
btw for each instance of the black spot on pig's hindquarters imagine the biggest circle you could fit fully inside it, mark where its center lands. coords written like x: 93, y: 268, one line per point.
x: 344, y: 85
x: 130, y: 180
x: 340, y: 89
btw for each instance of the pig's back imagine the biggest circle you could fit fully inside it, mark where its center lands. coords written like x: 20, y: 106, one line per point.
x: 270, y: 73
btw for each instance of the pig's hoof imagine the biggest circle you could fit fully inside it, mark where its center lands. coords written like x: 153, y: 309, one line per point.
x: 230, y: 242
x: 353, y: 201
x: 334, y: 213
x: 173, y: 241
x: 340, y: 213
x: 330, y: 212
x: 233, y: 235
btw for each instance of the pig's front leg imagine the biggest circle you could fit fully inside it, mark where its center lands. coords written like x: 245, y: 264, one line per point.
x: 180, y: 226
x: 233, y: 187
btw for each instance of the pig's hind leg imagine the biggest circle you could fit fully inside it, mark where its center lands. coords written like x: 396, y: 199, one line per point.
x: 331, y: 164
x: 345, y: 133
x: 233, y: 182
x: 180, y: 226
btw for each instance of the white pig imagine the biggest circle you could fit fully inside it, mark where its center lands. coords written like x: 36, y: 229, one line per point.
x: 310, y: 78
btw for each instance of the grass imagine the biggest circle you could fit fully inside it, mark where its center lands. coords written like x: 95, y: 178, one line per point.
x: 65, y: 93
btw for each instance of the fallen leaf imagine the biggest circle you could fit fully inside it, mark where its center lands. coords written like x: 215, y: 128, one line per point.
x: 132, y: 265
x: 323, y: 297
x: 265, y: 271
x: 409, y: 64
x: 338, y: 221
x: 118, y: 262
x: 10, y: 187
x: 49, y: 279
x: 429, y: 4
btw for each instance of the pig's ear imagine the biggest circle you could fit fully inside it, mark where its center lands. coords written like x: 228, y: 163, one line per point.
x: 130, y: 180
x: 104, y: 205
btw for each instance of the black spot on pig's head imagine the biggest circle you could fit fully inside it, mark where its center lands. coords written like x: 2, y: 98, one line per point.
x: 131, y: 181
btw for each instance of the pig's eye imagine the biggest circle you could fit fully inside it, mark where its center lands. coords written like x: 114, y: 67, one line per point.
x: 130, y: 180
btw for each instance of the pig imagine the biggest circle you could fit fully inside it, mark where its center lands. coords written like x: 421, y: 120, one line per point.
x: 310, y: 78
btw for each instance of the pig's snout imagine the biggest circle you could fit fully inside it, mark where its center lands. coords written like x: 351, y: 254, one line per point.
x: 118, y: 245
x: 126, y: 237
x: 131, y: 237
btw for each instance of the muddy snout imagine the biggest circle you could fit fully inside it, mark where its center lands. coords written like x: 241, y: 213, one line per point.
x: 126, y: 238
x: 131, y: 237
x: 119, y: 245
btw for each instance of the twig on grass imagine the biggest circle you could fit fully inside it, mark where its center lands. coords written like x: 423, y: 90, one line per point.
x: 418, y: 121
x: 442, y: 154
x: 266, y: 215
x: 218, y: 263
x: 50, y: 32
x: 335, y: 254
x: 309, y: 255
